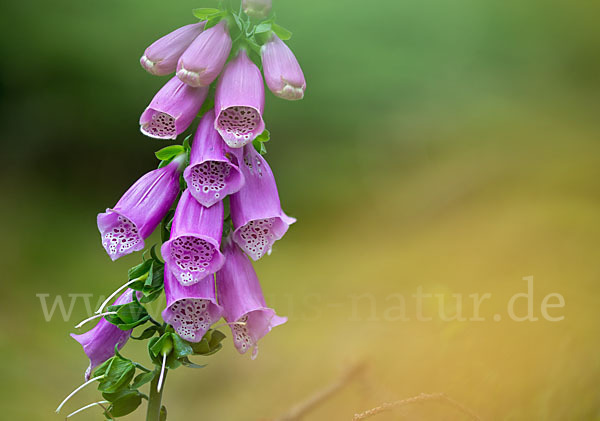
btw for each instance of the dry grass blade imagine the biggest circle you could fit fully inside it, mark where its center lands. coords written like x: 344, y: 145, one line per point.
x: 423, y: 397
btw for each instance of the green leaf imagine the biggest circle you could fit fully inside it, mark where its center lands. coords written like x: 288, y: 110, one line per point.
x: 123, y: 402
x: 210, y: 343
x: 181, y: 348
x: 185, y: 361
x: 142, y: 379
x: 139, y: 270
x: 216, y: 337
x: 147, y: 333
x: 131, y: 312
x: 281, y: 32
x: 169, y: 152
x: 264, y: 136
x: 151, y: 296
x: 204, y: 13
x: 260, y: 147
x: 263, y: 27
x: 213, y: 21
x: 117, y: 375
x: 186, y: 143
x: 154, y: 255
x: 163, y: 413
x: 165, y: 226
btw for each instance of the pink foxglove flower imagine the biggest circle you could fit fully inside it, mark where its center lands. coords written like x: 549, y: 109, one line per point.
x: 256, y: 210
x: 213, y: 172
x: 242, y: 300
x: 202, y: 62
x: 99, y: 343
x: 161, y: 57
x: 283, y: 74
x: 239, y: 102
x: 193, y: 309
x: 172, y: 110
x: 192, y: 253
x: 137, y: 214
x: 257, y: 8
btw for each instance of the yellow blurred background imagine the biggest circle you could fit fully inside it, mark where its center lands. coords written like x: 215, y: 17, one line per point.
x: 451, y: 147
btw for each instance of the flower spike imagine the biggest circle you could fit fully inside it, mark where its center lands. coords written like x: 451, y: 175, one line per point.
x: 161, y: 57
x: 214, y: 171
x: 192, y: 253
x: 256, y: 210
x: 243, y: 303
x: 240, y: 102
x: 172, y: 110
x: 191, y: 310
x: 137, y: 214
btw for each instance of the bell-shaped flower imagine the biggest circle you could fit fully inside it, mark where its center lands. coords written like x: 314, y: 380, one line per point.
x: 283, y: 74
x: 256, y: 210
x: 192, y: 252
x: 172, y: 110
x: 204, y: 59
x: 99, y: 343
x: 242, y: 300
x: 257, y: 9
x: 161, y: 57
x: 191, y: 310
x: 137, y: 214
x: 239, y: 102
x: 214, y: 171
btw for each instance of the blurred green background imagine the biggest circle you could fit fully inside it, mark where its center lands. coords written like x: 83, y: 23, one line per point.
x: 452, y: 146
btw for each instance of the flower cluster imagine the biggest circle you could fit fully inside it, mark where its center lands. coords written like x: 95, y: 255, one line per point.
x: 216, y: 200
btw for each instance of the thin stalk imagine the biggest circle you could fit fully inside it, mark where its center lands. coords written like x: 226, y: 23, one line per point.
x: 155, y: 399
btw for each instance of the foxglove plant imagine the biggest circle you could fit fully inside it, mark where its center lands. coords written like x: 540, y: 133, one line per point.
x: 214, y: 198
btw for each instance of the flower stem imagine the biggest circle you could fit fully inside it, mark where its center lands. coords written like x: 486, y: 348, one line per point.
x: 155, y: 400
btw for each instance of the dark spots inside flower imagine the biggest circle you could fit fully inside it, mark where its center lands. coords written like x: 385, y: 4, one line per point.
x: 191, y: 318
x: 238, y: 124
x: 241, y: 334
x: 192, y: 257
x: 257, y: 237
x: 210, y: 177
x: 162, y: 125
x: 122, y: 237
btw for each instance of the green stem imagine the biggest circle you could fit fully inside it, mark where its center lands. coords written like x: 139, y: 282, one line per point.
x: 155, y: 400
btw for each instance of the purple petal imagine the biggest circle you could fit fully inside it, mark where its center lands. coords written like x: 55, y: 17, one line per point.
x: 239, y: 102
x: 139, y: 211
x: 191, y: 310
x: 172, y: 110
x: 193, y: 253
x: 242, y: 300
x: 213, y: 172
x: 99, y: 343
x: 256, y: 210
x: 161, y: 57
x: 283, y: 74
x: 202, y: 62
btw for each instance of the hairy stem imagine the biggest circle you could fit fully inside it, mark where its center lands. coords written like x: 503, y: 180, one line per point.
x: 155, y: 400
